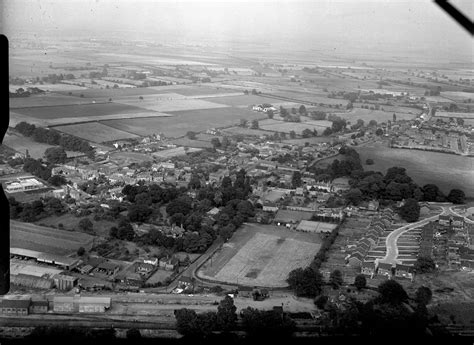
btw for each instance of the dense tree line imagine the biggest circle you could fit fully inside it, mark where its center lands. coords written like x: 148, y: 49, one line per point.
x: 51, y: 137
x: 35, y: 210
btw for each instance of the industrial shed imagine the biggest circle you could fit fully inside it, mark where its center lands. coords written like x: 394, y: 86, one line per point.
x: 74, y: 304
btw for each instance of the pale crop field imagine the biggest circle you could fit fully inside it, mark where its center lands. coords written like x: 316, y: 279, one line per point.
x: 166, y: 104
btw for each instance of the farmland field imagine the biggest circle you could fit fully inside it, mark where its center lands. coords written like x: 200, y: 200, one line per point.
x: 244, y: 100
x: 377, y: 115
x: 182, y: 121
x: 84, y: 110
x: 163, y: 104
x: 125, y: 158
x: 47, y: 240
x: 445, y: 170
x: 261, y: 255
x: 50, y: 99
x: 457, y: 96
x: 113, y: 93
x: 192, y: 143
x: 245, y: 131
x: 95, y: 132
x: 450, y: 114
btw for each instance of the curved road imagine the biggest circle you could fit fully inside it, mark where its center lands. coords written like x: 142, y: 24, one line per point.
x: 392, y: 238
x: 467, y: 220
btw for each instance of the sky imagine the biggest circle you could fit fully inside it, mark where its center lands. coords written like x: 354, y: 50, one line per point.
x: 396, y: 24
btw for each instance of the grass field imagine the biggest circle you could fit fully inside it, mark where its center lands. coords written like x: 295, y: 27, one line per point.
x: 192, y: 143
x: 114, y: 93
x: 95, y: 132
x: 244, y: 100
x: 159, y: 276
x: 36, y: 150
x: 70, y: 222
x: 183, y: 121
x: 445, y: 170
x: 84, y: 110
x: 261, y: 255
x: 457, y: 95
x: 287, y: 127
x: 245, y: 131
x: 126, y: 158
x: 47, y: 240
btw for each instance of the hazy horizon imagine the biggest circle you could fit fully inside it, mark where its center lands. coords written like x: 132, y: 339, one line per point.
x: 392, y: 26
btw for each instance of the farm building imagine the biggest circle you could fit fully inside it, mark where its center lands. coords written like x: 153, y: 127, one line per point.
x: 64, y: 282
x: 315, y: 227
x: 15, y: 306
x: 71, y: 304
x: 288, y: 217
x: 245, y: 291
x: 31, y: 281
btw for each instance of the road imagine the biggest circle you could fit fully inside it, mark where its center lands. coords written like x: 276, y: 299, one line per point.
x: 391, y: 240
x: 467, y: 220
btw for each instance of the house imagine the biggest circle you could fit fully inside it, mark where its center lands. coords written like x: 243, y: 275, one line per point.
x: 245, y: 291
x: 404, y: 271
x: 270, y: 208
x: 373, y: 205
x: 144, y: 268
x: 186, y: 282
x: 15, y: 306
x: 153, y: 261
x: 169, y: 264
x: 340, y: 184
x: 444, y: 220
x: 384, y: 269
x: 368, y: 268
x: 458, y: 223
x: 356, y: 259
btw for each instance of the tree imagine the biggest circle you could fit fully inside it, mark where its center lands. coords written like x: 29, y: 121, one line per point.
x: 369, y: 161
x: 191, y: 135
x: 226, y: 232
x: 292, y: 134
x: 327, y: 131
x: 226, y: 314
x: 302, y: 110
x: 372, y: 123
x: 125, y: 231
x: 81, y: 251
x: 215, y: 142
x: 410, y: 211
x: 268, y: 324
x: 321, y: 301
x: 379, y: 131
x: 394, y: 117
x: 423, y: 295
x: 133, y: 333
x: 305, y: 282
x: 338, y: 125
x: 424, y: 265
x: 431, y: 192
x: 360, y: 282
x: 456, y: 196
x: 55, y: 155
x: 392, y: 292
x: 307, y: 133
x: 186, y: 322
x: 113, y: 232
x: 243, y: 123
x: 335, y: 279
x: 354, y: 196
x: 254, y: 124
x: 270, y: 114
x: 57, y: 180
x: 296, y: 179
x: 86, y: 225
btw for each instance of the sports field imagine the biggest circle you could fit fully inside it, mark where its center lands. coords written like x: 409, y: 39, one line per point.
x: 47, y: 240
x: 261, y: 255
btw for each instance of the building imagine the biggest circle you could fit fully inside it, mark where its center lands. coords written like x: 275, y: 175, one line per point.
x: 444, y: 220
x: 404, y: 271
x: 245, y: 291
x: 64, y: 282
x: 368, y: 268
x: 107, y: 268
x: 169, y: 264
x: 144, y: 268
x: 39, y: 306
x: 15, y: 306
x: 74, y: 304
x: 384, y: 269
x: 58, y: 260
x: 186, y: 282
x: 458, y: 223
x: 23, y: 184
